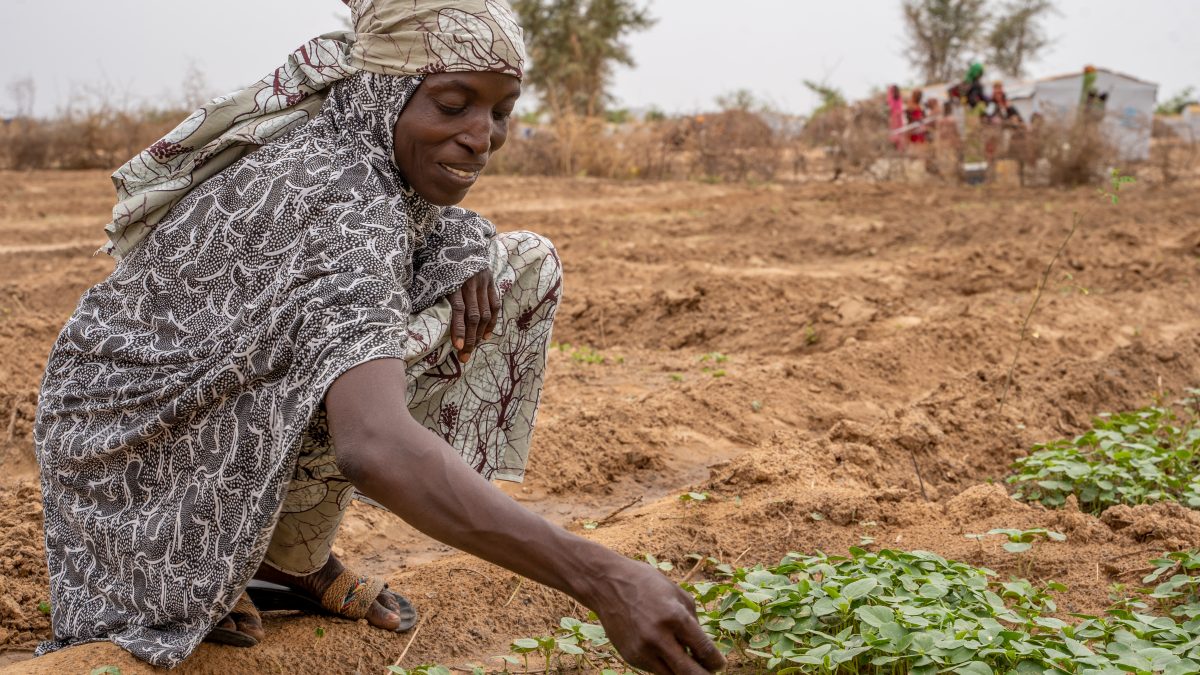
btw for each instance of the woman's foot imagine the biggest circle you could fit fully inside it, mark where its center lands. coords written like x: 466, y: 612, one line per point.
x: 241, y: 627
x: 385, y: 612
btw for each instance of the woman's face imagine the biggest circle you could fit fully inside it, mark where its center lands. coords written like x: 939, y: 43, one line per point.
x: 449, y: 130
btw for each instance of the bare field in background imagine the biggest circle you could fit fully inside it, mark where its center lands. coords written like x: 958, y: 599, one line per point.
x: 863, y: 332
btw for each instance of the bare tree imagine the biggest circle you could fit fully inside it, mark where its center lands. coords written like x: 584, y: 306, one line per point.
x: 940, y: 33
x: 22, y: 93
x: 1017, y: 36
x: 573, y: 46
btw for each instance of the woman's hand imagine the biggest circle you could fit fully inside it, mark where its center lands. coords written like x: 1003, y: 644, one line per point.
x: 473, y: 311
x: 652, y: 622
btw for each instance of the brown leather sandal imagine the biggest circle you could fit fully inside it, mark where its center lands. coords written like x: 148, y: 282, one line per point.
x: 244, y: 607
x: 350, y: 596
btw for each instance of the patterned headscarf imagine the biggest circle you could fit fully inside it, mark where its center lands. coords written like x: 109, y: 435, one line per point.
x: 392, y: 37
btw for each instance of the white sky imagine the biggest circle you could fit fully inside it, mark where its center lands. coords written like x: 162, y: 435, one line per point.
x: 699, y: 49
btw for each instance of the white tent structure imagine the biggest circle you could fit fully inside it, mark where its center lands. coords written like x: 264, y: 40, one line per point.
x: 1128, y: 112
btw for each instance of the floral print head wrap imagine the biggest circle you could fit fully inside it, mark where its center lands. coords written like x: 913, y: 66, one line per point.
x: 392, y: 37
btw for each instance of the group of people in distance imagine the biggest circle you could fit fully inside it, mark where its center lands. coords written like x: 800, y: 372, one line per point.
x: 989, y: 128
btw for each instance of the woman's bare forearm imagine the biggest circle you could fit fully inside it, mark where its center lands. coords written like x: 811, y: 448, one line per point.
x: 429, y: 486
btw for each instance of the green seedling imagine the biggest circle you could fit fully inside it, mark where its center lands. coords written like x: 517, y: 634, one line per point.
x: 676, y: 377
x: 590, y: 524
x: 713, y: 357
x: 693, y: 497
x: 662, y: 566
x: 811, y: 337
x: 427, y: 669
x: 106, y: 670
x: 1116, y: 181
x: 319, y: 631
x: 756, y: 406
x: 1020, y: 541
x: 44, y: 607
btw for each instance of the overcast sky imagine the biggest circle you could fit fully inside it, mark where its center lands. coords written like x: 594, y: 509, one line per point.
x: 141, y: 49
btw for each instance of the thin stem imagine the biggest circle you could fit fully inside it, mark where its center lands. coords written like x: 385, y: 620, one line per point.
x: 1075, y: 219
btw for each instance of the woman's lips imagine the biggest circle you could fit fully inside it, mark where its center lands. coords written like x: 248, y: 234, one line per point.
x: 463, y: 174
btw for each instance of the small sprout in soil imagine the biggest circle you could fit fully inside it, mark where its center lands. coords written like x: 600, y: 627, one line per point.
x: 811, y: 337
x: 1020, y: 541
x: 663, y: 566
x: 590, y: 524
x: 44, y: 607
x: 719, y: 372
x: 693, y: 497
x: 427, y: 669
x: 319, y: 631
x: 817, y: 515
x: 756, y: 406
x: 106, y: 670
x: 714, y: 357
x: 676, y: 377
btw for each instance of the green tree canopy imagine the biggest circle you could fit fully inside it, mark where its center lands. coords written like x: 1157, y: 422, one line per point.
x: 940, y: 35
x: 1017, y: 36
x: 573, y: 46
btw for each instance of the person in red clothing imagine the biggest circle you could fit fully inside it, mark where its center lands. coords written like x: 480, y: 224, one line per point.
x: 915, y: 114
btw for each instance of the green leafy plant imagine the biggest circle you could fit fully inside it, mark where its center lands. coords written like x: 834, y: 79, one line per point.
x: 915, y: 612
x: 1180, y: 591
x: 106, y: 670
x: 693, y: 497
x: 1147, y: 455
x: 586, y: 644
x: 44, y: 607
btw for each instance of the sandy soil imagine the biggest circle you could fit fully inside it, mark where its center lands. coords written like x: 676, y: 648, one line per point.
x: 865, y: 332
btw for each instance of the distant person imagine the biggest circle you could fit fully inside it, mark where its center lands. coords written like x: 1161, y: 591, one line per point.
x: 895, y: 103
x: 290, y: 324
x: 914, y: 115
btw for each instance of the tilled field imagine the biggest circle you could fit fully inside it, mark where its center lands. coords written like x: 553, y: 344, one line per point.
x: 824, y: 360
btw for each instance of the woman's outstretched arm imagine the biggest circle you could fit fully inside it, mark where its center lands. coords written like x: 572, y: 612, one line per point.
x: 394, y: 460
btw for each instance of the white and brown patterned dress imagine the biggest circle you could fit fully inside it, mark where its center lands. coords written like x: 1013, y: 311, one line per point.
x: 180, y: 394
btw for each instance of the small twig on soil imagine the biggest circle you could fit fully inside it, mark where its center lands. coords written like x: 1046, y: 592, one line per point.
x: 614, y: 514
x: 917, y: 468
x: 475, y: 572
x: 412, y: 639
x: 695, y: 568
x: 1037, y: 296
x: 787, y: 520
x: 735, y: 560
x: 520, y: 580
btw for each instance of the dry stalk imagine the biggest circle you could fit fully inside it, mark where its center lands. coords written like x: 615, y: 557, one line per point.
x: 412, y: 639
x: 1037, y: 296
x: 615, y: 513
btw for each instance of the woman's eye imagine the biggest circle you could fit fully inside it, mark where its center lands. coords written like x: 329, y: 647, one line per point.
x: 450, y: 109
x: 501, y: 115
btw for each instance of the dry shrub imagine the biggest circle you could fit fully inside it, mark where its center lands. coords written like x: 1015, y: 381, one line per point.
x: 101, y: 138
x: 854, y: 138
x: 733, y: 145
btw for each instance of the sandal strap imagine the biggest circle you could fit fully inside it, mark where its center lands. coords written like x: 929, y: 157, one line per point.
x: 244, y: 606
x: 351, y: 595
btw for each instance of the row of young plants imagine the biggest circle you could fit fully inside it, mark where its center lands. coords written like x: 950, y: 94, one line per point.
x: 903, y: 612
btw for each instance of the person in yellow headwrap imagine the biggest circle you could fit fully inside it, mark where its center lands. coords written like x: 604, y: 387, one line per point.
x: 299, y: 314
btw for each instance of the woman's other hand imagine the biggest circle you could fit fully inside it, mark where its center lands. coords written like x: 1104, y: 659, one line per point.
x: 473, y: 311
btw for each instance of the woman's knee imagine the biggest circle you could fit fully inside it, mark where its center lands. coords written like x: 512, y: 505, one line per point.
x: 534, y: 252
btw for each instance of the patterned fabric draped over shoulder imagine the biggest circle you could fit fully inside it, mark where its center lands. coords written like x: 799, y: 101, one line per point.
x: 392, y: 37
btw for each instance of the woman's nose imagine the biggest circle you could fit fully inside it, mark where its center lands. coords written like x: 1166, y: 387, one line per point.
x: 477, y: 137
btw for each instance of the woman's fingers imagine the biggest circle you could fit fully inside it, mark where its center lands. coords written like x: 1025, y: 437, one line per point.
x: 493, y: 302
x: 458, y: 329
x: 485, y: 309
x: 470, y: 297
x: 701, y: 646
